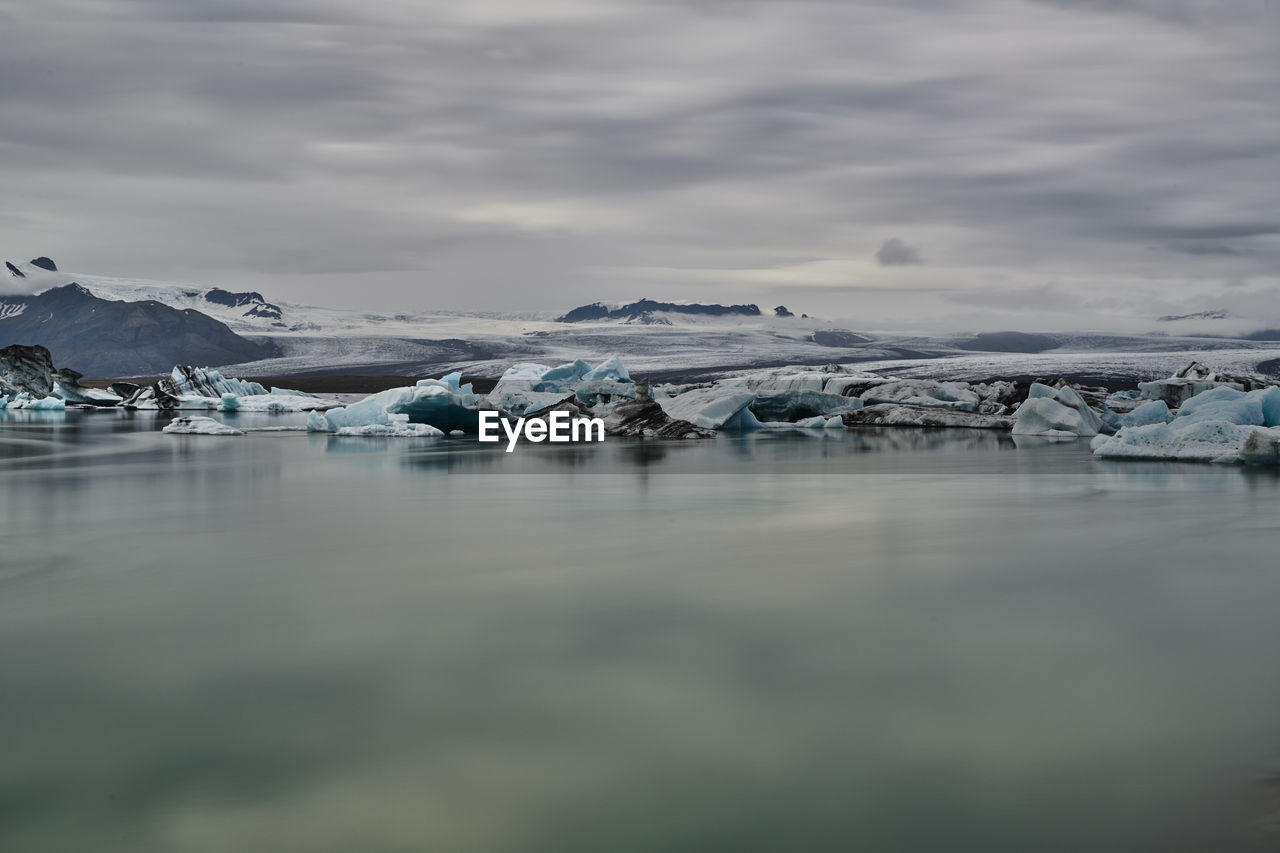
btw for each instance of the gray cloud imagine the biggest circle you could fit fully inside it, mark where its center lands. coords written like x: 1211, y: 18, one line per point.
x: 895, y: 253
x: 505, y: 154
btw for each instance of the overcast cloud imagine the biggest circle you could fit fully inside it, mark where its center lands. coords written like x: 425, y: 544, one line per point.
x: 1121, y: 155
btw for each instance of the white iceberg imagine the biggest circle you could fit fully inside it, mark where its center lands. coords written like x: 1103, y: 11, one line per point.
x: 927, y: 393
x: 199, y: 425
x: 275, y: 403
x: 84, y: 396
x: 716, y: 408
x: 890, y: 414
x: 1055, y: 413
x: 395, y: 429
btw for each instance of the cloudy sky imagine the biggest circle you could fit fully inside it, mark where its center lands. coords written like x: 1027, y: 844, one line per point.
x: 975, y: 162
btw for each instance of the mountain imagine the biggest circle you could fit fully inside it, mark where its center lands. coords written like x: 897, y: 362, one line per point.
x: 1199, y: 315
x: 1007, y: 342
x: 644, y: 311
x: 100, y: 337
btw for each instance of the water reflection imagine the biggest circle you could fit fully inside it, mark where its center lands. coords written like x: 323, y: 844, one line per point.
x: 292, y: 641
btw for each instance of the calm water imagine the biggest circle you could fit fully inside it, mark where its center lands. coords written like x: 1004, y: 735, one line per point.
x: 882, y: 641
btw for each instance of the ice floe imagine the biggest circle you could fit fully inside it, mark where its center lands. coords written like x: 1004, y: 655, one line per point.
x: 199, y: 425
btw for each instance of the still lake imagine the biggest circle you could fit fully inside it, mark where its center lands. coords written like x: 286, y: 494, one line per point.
x: 882, y: 640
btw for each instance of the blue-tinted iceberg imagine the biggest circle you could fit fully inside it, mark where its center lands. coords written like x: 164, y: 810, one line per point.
x: 1055, y: 413
x: 1150, y: 412
x: 528, y: 387
x: 38, y: 404
x: 1221, y: 424
x: 442, y: 403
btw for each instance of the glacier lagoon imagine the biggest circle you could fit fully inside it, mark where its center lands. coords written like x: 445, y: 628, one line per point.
x: 889, y: 640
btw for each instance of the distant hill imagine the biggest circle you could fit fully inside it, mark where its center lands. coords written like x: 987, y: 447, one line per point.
x: 1199, y: 315
x: 1008, y: 342
x: 644, y: 310
x: 100, y: 337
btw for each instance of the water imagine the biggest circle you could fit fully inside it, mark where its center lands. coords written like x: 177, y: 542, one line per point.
x: 881, y: 641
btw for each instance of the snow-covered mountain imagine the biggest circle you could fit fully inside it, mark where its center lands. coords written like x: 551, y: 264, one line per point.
x: 101, y: 337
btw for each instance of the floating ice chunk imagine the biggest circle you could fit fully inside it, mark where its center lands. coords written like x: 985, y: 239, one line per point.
x: 610, y: 368
x: 1261, y: 447
x: 398, y: 429
x: 205, y: 382
x: 1192, y: 381
x: 520, y: 403
x: 711, y: 408
x: 926, y: 393
x: 1055, y: 411
x: 1218, y: 424
x: 199, y: 425
x: 275, y: 403
x: 889, y: 414
x: 1150, y: 412
x: 798, y: 404
x: 443, y: 403
x: 81, y: 395
x: 1191, y: 440
x: 38, y: 404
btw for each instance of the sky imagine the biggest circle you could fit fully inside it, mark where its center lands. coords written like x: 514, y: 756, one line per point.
x: 1029, y: 164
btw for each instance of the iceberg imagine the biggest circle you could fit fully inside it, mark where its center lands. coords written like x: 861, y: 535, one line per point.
x: 395, y: 429
x: 1261, y: 447
x: 890, y: 414
x: 76, y: 394
x: 442, y: 403
x: 205, y: 382
x: 798, y: 404
x: 203, y: 388
x: 1196, y: 441
x: 1192, y: 381
x: 39, y: 404
x: 1220, y: 424
x: 530, y: 387
x: 199, y: 425
x: 274, y: 403
x: 712, y: 408
x: 926, y: 393
x: 1150, y: 412
x: 1055, y: 412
